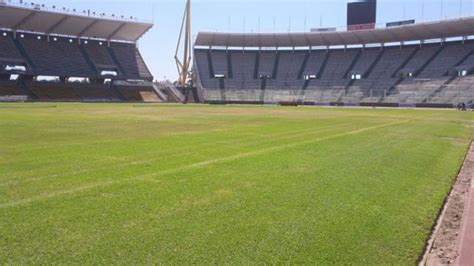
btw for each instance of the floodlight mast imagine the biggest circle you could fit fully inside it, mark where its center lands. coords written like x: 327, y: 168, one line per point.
x: 184, y: 66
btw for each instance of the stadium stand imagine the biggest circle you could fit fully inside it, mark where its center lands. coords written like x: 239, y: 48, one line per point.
x: 99, y: 54
x: 130, y: 61
x: 9, y: 50
x: 409, y: 65
x: 136, y: 92
x: 60, y: 57
x: 75, y: 92
x: 38, y: 62
x: 10, y: 88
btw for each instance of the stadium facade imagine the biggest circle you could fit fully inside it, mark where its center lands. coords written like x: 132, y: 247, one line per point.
x: 421, y: 65
x: 51, y: 55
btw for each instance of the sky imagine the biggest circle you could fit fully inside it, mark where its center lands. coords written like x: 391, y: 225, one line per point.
x: 159, y: 44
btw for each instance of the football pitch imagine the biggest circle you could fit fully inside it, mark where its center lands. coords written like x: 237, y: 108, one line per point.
x: 176, y: 184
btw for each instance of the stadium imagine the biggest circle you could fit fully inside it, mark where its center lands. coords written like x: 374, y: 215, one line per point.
x: 348, y: 145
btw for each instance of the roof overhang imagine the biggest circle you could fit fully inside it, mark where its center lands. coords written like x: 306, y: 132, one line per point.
x: 83, y: 26
x: 416, y: 32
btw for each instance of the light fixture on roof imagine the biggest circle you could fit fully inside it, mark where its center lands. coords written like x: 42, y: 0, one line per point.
x: 4, y: 34
x: 38, y: 37
x: 86, y: 42
x: 100, y: 43
x: 70, y: 40
x: 22, y: 35
x: 55, y: 39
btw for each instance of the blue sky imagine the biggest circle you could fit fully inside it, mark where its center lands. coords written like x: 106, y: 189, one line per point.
x: 158, y: 45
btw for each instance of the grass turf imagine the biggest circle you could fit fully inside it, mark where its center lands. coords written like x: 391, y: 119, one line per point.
x: 124, y: 184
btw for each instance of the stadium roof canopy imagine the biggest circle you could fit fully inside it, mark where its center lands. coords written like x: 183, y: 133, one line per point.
x: 34, y: 18
x: 416, y: 32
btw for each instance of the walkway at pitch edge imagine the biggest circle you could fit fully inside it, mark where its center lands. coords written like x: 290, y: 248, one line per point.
x: 466, y: 243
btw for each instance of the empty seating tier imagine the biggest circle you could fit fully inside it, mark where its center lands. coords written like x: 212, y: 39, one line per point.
x: 10, y: 88
x: 57, y: 57
x: 404, y: 74
x: 131, y: 61
x: 68, y: 57
x: 99, y: 53
x: 137, y: 93
x: 8, y: 49
x: 29, y: 56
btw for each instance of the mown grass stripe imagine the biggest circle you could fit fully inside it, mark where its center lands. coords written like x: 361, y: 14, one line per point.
x: 198, y: 165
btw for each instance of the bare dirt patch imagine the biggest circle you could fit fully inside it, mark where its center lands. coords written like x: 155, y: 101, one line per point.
x: 443, y: 248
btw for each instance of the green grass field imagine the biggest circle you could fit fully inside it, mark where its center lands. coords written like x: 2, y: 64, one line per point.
x: 124, y: 184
